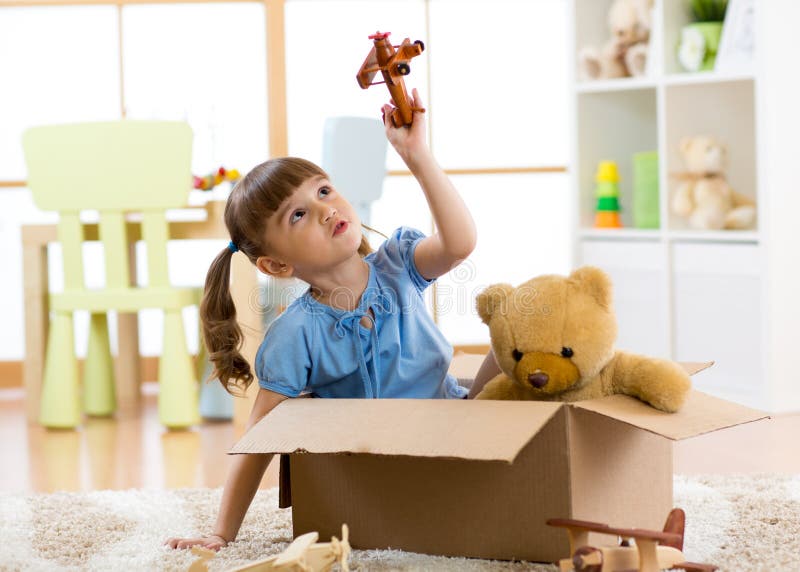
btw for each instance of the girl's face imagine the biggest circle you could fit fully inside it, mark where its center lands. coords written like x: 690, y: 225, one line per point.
x: 313, y: 230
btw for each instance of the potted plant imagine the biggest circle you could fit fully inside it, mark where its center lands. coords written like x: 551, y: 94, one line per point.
x: 697, y: 50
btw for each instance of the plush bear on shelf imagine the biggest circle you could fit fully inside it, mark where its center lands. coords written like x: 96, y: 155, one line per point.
x: 625, y: 53
x: 553, y: 338
x: 704, y: 196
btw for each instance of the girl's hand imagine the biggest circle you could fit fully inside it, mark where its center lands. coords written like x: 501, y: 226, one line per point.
x: 409, y: 141
x: 212, y: 542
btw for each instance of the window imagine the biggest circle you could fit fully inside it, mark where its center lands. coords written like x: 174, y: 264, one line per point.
x: 497, y: 97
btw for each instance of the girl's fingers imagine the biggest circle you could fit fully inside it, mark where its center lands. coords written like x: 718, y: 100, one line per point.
x: 416, y: 97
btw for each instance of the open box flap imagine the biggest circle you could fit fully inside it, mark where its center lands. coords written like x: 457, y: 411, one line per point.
x: 444, y: 428
x: 693, y: 367
x: 700, y: 414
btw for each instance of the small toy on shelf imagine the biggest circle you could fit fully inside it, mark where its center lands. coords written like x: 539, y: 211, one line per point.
x: 213, y: 179
x: 625, y: 53
x: 645, y: 209
x: 607, y: 194
x: 704, y: 196
x: 303, y: 554
x: 392, y: 62
x: 697, y: 50
x: 651, y: 551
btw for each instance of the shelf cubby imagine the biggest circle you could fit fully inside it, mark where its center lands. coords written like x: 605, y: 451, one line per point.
x: 682, y: 293
x: 612, y: 126
x: 723, y: 110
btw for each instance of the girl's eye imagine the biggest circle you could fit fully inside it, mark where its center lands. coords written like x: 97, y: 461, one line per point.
x: 297, y: 215
x: 324, y: 191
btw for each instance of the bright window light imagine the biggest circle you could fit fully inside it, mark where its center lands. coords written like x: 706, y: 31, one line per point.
x: 321, y: 64
x: 204, y: 64
x: 58, y: 64
x: 498, y: 82
x: 523, y: 231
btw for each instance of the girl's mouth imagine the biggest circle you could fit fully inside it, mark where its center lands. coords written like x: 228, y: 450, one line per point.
x: 340, y: 227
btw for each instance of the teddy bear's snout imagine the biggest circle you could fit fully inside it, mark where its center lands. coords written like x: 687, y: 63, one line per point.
x: 545, y: 372
x: 538, y: 379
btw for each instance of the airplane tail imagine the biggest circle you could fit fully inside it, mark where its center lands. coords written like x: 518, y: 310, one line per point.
x: 676, y: 521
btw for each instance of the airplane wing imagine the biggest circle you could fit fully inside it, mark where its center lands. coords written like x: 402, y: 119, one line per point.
x: 407, y: 50
x: 296, y: 549
x: 368, y: 70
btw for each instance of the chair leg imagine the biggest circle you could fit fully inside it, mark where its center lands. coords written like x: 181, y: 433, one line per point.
x: 99, y: 387
x: 177, y: 384
x: 60, y: 406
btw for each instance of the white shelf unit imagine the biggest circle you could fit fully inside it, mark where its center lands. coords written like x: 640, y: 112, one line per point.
x: 680, y: 293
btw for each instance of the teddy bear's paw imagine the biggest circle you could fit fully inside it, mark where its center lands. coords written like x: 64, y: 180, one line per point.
x: 589, y: 64
x: 668, y: 390
x: 707, y: 219
x: 499, y: 388
x: 741, y: 218
x: 636, y: 60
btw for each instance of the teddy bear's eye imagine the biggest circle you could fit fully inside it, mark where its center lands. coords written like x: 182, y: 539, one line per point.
x: 567, y: 352
x: 517, y: 355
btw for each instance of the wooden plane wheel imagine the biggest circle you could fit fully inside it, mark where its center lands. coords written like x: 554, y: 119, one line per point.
x: 587, y: 559
x: 420, y: 44
x: 403, y: 69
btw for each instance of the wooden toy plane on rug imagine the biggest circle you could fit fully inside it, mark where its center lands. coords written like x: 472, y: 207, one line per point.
x: 303, y: 554
x: 650, y: 551
x: 392, y: 62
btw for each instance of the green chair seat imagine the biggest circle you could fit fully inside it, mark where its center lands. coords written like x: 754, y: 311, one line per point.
x: 124, y: 299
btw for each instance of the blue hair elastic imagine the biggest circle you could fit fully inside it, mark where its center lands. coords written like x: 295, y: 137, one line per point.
x: 232, y: 247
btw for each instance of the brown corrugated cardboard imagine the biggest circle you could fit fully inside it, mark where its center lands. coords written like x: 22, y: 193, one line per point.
x: 447, y: 429
x: 478, y: 478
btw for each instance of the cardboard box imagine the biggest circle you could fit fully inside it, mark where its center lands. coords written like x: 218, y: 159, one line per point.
x: 478, y: 478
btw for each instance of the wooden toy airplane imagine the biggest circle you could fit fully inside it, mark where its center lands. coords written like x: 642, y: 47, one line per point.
x: 303, y: 554
x: 392, y: 62
x: 652, y: 551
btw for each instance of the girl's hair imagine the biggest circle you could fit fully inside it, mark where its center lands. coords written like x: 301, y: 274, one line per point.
x: 251, y: 202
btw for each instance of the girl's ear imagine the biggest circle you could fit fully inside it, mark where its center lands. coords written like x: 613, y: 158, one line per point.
x: 272, y: 267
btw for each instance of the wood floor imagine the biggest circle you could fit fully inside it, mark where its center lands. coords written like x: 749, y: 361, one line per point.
x: 139, y: 453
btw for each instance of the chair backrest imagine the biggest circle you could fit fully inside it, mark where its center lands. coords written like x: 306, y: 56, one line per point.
x: 115, y: 168
x: 354, y: 156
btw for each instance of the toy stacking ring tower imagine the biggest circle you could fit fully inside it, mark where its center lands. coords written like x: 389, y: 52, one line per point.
x: 393, y: 63
x: 607, y: 194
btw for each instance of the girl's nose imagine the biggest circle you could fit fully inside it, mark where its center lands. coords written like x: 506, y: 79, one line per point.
x: 329, y: 214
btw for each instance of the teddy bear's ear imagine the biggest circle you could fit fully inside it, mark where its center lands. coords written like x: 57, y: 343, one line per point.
x: 595, y: 282
x: 684, y: 145
x: 492, y: 299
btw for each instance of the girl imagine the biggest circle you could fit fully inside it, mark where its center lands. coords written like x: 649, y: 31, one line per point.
x: 361, y: 329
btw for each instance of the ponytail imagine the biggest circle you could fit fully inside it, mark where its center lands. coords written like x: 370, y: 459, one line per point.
x: 221, y: 332
x: 364, y: 248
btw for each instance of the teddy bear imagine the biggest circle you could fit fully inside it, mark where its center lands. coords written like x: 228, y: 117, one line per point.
x: 625, y: 53
x: 553, y: 338
x: 704, y: 196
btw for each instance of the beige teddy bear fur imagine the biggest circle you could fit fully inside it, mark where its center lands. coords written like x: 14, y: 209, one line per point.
x: 625, y: 53
x: 704, y: 196
x: 553, y: 338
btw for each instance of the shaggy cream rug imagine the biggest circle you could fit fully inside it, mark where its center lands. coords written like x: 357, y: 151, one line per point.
x: 738, y: 523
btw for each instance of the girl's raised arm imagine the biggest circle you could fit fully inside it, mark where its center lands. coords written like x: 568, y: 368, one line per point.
x: 455, y: 235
